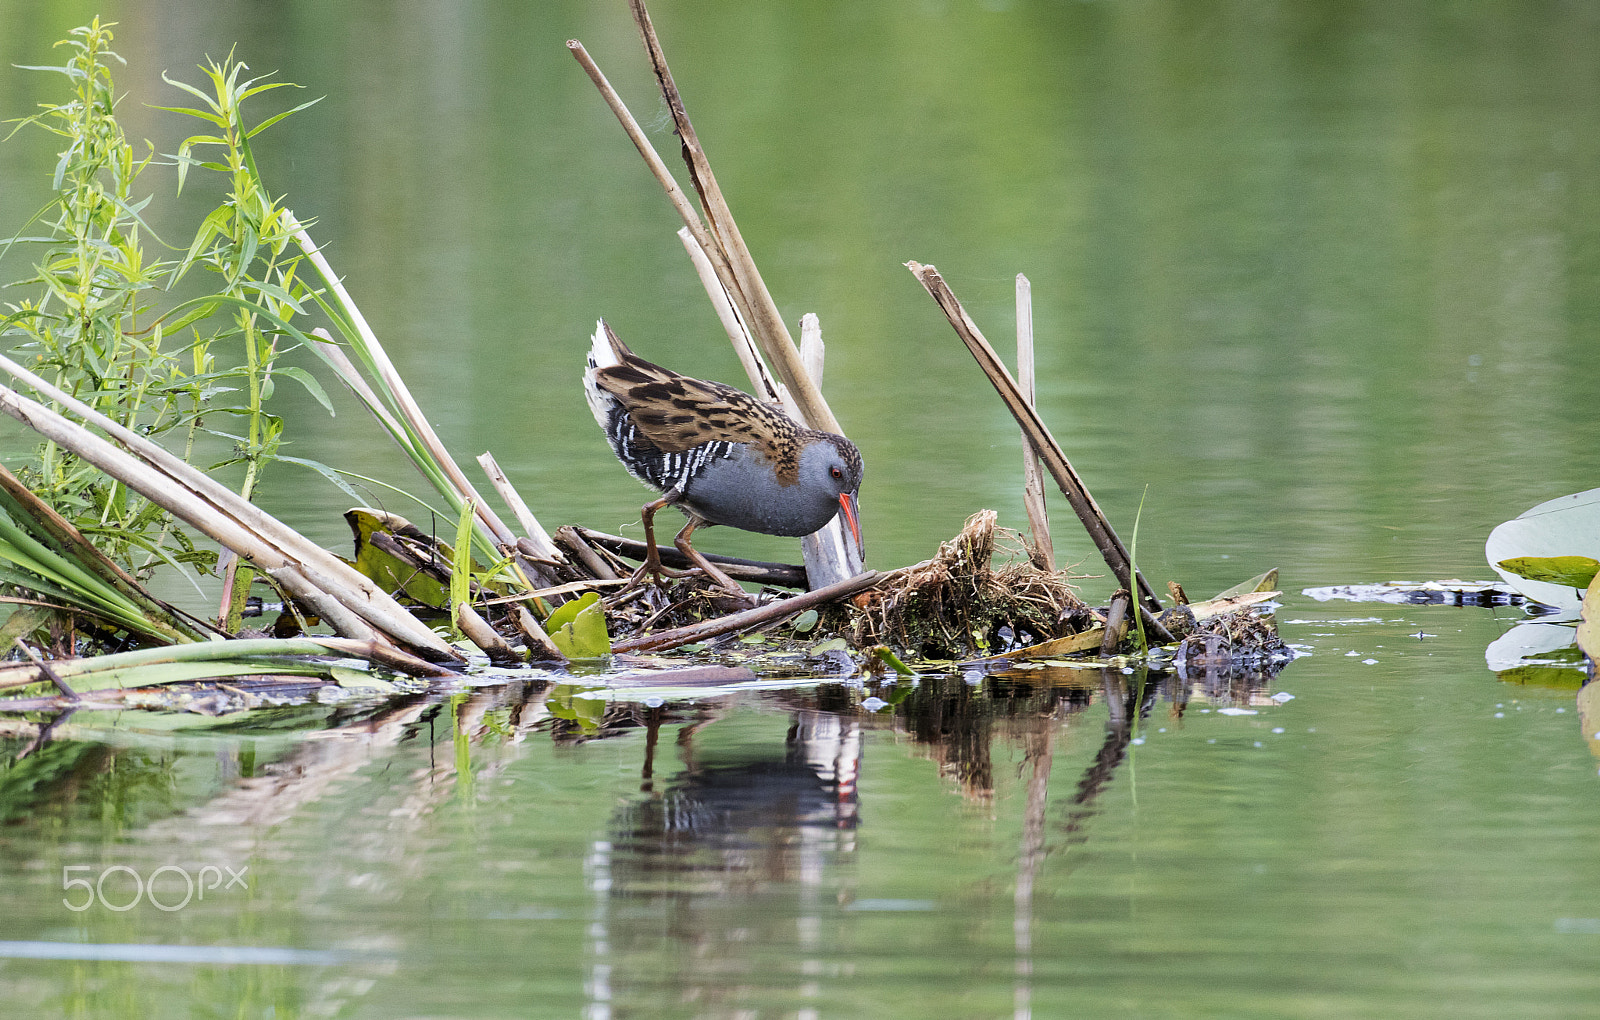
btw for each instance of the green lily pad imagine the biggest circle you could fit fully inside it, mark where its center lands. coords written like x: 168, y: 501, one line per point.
x: 413, y: 577
x: 1567, y: 526
x: 578, y: 628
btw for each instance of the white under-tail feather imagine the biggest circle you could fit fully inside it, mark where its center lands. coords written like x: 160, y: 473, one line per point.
x: 601, y: 355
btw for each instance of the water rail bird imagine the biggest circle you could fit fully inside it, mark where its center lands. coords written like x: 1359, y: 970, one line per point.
x: 716, y: 453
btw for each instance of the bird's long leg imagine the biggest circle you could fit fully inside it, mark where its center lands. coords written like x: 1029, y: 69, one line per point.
x: 711, y: 570
x: 651, y: 567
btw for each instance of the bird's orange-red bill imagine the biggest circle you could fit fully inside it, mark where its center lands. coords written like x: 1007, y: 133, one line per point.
x: 847, y: 506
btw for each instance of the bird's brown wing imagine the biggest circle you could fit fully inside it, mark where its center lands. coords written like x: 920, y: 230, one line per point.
x: 677, y: 413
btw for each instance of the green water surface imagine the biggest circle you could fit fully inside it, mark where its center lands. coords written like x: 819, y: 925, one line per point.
x: 1317, y: 283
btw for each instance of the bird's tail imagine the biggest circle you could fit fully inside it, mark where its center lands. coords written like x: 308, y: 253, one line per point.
x: 605, y: 352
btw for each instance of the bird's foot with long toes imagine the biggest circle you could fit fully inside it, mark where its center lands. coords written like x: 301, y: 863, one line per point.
x: 653, y: 569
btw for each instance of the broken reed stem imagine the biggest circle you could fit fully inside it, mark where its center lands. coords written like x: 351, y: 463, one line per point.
x: 525, y: 552
x: 829, y: 556
x: 48, y: 673
x: 513, y: 499
x: 759, y: 310
x: 812, y: 350
x: 1116, y: 623
x: 348, y: 600
x: 769, y: 613
x: 478, y: 631
x: 587, y: 557
x: 717, y: 233
x: 658, y: 167
x: 744, y: 347
x: 1042, y: 549
x: 755, y: 571
x: 1094, y: 520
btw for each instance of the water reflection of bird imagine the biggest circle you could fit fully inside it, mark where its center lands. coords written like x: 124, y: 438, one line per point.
x: 717, y: 453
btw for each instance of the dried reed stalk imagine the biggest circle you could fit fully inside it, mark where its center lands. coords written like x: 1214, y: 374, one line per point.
x: 349, y: 601
x: 1094, y: 520
x: 1041, y: 550
x: 769, y: 613
x: 829, y: 557
x: 747, y: 287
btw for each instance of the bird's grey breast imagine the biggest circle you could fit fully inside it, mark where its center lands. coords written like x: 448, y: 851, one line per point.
x: 742, y: 491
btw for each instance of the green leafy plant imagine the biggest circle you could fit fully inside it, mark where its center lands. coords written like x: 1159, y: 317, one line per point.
x: 108, y: 341
x: 86, y: 325
x: 246, y: 241
x: 94, y: 324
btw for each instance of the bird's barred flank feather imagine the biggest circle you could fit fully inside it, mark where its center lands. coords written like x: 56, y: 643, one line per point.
x: 652, y: 465
x: 677, y: 414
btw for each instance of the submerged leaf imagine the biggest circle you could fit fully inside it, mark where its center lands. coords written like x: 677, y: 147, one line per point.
x: 575, y: 704
x: 356, y: 679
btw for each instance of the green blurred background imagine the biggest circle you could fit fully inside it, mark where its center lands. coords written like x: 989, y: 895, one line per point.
x: 1316, y: 281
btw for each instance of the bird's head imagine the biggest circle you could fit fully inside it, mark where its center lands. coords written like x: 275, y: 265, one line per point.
x: 831, y: 467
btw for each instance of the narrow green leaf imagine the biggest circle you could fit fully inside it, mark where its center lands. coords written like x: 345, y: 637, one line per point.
x: 461, y: 567
x: 309, y: 382
x: 327, y: 472
x: 274, y: 119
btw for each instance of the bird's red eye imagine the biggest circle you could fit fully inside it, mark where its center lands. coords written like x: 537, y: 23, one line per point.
x: 836, y: 473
